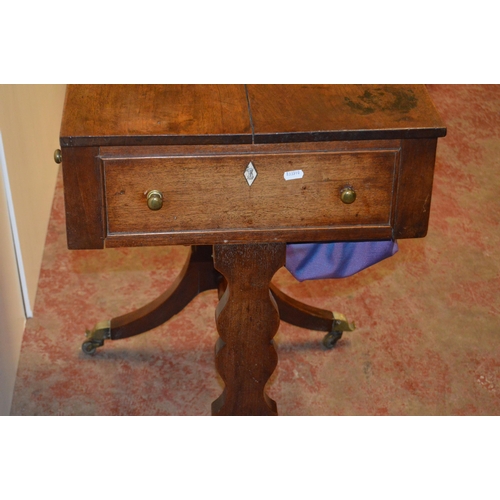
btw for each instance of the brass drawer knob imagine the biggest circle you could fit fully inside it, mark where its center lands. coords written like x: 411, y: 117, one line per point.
x: 348, y: 195
x: 57, y: 156
x: 155, y: 199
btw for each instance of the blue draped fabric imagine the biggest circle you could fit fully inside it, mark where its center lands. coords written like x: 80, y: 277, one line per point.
x: 311, y: 261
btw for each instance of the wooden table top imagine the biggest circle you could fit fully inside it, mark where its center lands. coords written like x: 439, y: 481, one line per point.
x: 111, y: 115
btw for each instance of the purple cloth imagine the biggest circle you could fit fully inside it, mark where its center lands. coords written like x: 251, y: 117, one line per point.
x: 311, y: 261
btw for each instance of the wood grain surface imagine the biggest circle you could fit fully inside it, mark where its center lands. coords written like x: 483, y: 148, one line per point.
x: 211, y: 193
x: 416, y: 176
x: 97, y: 115
x: 83, y: 198
x: 247, y: 319
x: 155, y: 114
x: 193, y: 142
x: 288, y: 113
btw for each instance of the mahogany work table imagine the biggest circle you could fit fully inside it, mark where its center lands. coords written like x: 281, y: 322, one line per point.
x: 237, y: 172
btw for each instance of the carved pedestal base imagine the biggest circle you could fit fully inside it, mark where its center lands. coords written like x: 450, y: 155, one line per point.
x: 248, y: 315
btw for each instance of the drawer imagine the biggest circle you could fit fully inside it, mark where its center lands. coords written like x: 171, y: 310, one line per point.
x: 211, y: 193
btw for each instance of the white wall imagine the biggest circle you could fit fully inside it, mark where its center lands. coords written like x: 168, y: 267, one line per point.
x: 30, y: 117
x: 12, y: 318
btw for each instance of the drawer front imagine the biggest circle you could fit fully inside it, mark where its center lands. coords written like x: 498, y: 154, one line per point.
x: 211, y: 193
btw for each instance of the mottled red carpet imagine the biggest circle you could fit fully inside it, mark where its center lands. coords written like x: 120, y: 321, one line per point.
x: 428, y: 337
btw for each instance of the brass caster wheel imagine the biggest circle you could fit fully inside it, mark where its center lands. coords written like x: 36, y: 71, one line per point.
x: 330, y: 339
x: 96, y: 337
x: 340, y: 325
x: 89, y: 347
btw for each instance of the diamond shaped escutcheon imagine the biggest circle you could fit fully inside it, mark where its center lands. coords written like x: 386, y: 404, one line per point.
x: 250, y: 173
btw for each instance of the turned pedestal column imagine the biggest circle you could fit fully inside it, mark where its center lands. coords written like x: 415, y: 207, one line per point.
x: 247, y: 319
